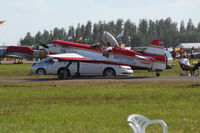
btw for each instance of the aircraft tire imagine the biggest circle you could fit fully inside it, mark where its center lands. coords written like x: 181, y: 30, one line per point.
x: 158, y: 74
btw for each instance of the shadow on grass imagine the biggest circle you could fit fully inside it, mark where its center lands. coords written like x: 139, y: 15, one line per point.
x: 85, y: 78
x: 196, y: 85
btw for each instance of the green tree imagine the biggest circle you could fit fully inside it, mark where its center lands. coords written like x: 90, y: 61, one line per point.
x: 88, y: 33
x: 190, y: 26
x: 95, y: 33
x: 151, y: 31
x: 143, y: 30
x: 182, y: 27
x: 38, y: 38
x: 71, y: 34
x: 130, y: 30
x: 198, y: 28
x: 28, y: 40
x: 79, y: 32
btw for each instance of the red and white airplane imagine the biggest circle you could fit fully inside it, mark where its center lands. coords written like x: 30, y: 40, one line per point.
x: 154, y: 58
x: 22, y: 52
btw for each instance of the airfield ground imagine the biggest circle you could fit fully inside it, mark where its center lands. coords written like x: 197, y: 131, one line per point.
x: 43, y: 104
x: 103, y: 79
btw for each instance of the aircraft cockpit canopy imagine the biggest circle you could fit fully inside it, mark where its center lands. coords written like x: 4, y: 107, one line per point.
x: 106, y: 38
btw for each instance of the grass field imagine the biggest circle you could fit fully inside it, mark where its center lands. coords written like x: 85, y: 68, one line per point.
x: 23, y: 71
x: 94, y: 106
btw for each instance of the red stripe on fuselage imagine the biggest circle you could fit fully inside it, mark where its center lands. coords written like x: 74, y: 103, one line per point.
x: 161, y: 58
x: 116, y: 50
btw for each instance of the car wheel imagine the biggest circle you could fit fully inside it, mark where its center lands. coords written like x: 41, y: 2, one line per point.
x: 41, y: 71
x: 109, y: 72
x: 64, y: 73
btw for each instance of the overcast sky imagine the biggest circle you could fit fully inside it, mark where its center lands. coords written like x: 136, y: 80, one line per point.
x: 24, y: 16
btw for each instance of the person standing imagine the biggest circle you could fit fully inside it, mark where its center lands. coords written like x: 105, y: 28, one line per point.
x: 174, y: 53
x: 192, y: 53
x: 181, y: 52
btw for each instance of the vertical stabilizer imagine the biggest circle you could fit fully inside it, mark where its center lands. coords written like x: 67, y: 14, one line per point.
x: 156, y: 50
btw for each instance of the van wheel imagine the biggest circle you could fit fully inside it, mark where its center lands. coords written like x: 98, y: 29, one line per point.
x: 64, y: 73
x: 40, y: 71
x: 109, y: 72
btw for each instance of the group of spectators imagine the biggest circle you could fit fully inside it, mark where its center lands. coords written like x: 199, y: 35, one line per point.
x: 182, y: 52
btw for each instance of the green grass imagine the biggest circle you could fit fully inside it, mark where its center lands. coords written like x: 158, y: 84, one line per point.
x: 97, y: 107
x: 168, y: 72
x: 18, y: 71
x: 23, y: 71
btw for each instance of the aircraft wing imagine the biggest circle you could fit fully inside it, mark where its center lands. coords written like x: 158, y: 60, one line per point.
x: 81, y: 58
x: 71, y: 57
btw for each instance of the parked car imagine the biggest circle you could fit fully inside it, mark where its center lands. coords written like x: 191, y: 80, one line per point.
x: 53, y: 66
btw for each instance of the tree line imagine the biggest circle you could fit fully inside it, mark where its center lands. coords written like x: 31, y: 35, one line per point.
x: 126, y: 32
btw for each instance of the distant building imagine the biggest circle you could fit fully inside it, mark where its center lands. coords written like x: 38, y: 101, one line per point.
x: 189, y: 45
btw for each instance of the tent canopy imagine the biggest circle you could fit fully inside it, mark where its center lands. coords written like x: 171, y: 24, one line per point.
x: 189, y: 45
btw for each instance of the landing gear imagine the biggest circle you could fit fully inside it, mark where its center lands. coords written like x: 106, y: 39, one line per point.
x: 77, y: 74
x: 64, y: 72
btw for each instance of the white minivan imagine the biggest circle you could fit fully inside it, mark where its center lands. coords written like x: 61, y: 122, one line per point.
x: 53, y: 66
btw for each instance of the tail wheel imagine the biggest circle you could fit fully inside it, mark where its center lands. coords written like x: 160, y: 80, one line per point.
x: 41, y: 71
x: 157, y: 74
x: 64, y: 73
x: 109, y: 72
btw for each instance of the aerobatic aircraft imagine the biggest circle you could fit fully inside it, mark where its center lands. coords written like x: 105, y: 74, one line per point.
x: 108, y: 51
x: 22, y: 52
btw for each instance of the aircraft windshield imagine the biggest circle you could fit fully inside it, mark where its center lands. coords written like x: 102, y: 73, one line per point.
x: 108, y: 38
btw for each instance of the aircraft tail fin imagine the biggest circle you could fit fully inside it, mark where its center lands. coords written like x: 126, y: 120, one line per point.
x: 157, y: 51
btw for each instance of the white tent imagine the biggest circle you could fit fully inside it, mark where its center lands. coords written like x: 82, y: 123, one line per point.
x: 189, y: 45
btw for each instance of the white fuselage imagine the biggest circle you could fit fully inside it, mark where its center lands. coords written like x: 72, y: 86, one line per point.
x: 137, y: 61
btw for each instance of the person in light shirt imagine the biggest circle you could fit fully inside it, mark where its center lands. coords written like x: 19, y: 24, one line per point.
x: 186, y: 64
